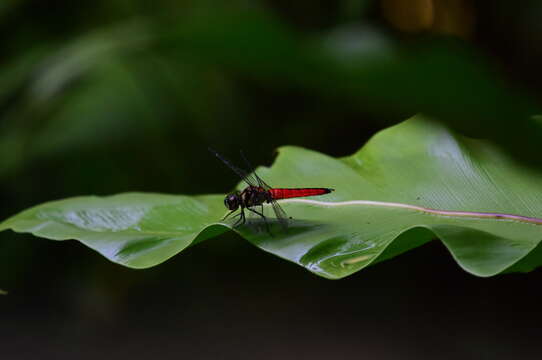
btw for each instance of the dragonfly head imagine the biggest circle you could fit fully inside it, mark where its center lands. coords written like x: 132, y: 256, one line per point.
x: 232, y: 201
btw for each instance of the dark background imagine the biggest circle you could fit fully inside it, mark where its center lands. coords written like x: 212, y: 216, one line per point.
x: 113, y: 96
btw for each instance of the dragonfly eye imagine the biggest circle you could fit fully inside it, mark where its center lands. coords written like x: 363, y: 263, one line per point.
x: 231, y: 201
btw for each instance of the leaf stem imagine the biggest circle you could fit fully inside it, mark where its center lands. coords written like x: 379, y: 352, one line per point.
x: 475, y: 214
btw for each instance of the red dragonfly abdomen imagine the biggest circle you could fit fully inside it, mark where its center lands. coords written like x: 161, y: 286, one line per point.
x: 288, y: 193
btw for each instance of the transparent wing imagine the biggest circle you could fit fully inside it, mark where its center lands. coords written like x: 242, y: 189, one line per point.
x: 261, y: 183
x: 281, y: 215
x: 279, y: 212
x: 254, y: 180
x: 248, y: 178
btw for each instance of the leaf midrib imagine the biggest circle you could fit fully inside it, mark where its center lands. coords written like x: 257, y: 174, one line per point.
x: 448, y: 213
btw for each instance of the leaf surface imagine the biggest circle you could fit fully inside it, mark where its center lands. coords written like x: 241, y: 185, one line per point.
x: 409, y: 184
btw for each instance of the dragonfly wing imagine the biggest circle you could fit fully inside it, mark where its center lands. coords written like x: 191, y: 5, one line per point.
x: 281, y: 215
x: 261, y: 183
x: 279, y: 212
x: 248, y: 178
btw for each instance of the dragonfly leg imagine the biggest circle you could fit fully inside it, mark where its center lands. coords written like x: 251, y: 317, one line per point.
x: 228, y: 214
x: 264, y: 219
x: 241, y: 220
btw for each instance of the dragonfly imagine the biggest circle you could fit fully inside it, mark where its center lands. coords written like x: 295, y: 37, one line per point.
x: 258, y: 192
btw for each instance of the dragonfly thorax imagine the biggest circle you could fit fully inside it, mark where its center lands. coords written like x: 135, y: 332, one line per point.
x: 253, y: 196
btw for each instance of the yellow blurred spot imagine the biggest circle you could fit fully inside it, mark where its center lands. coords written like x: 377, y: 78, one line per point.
x: 356, y: 260
x: 453, y: 17
x: 2, y: 292
x: 409, y: 15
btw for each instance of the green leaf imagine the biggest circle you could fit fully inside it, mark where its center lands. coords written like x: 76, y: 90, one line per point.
x: 136, y: 230
x: 411, y: 183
